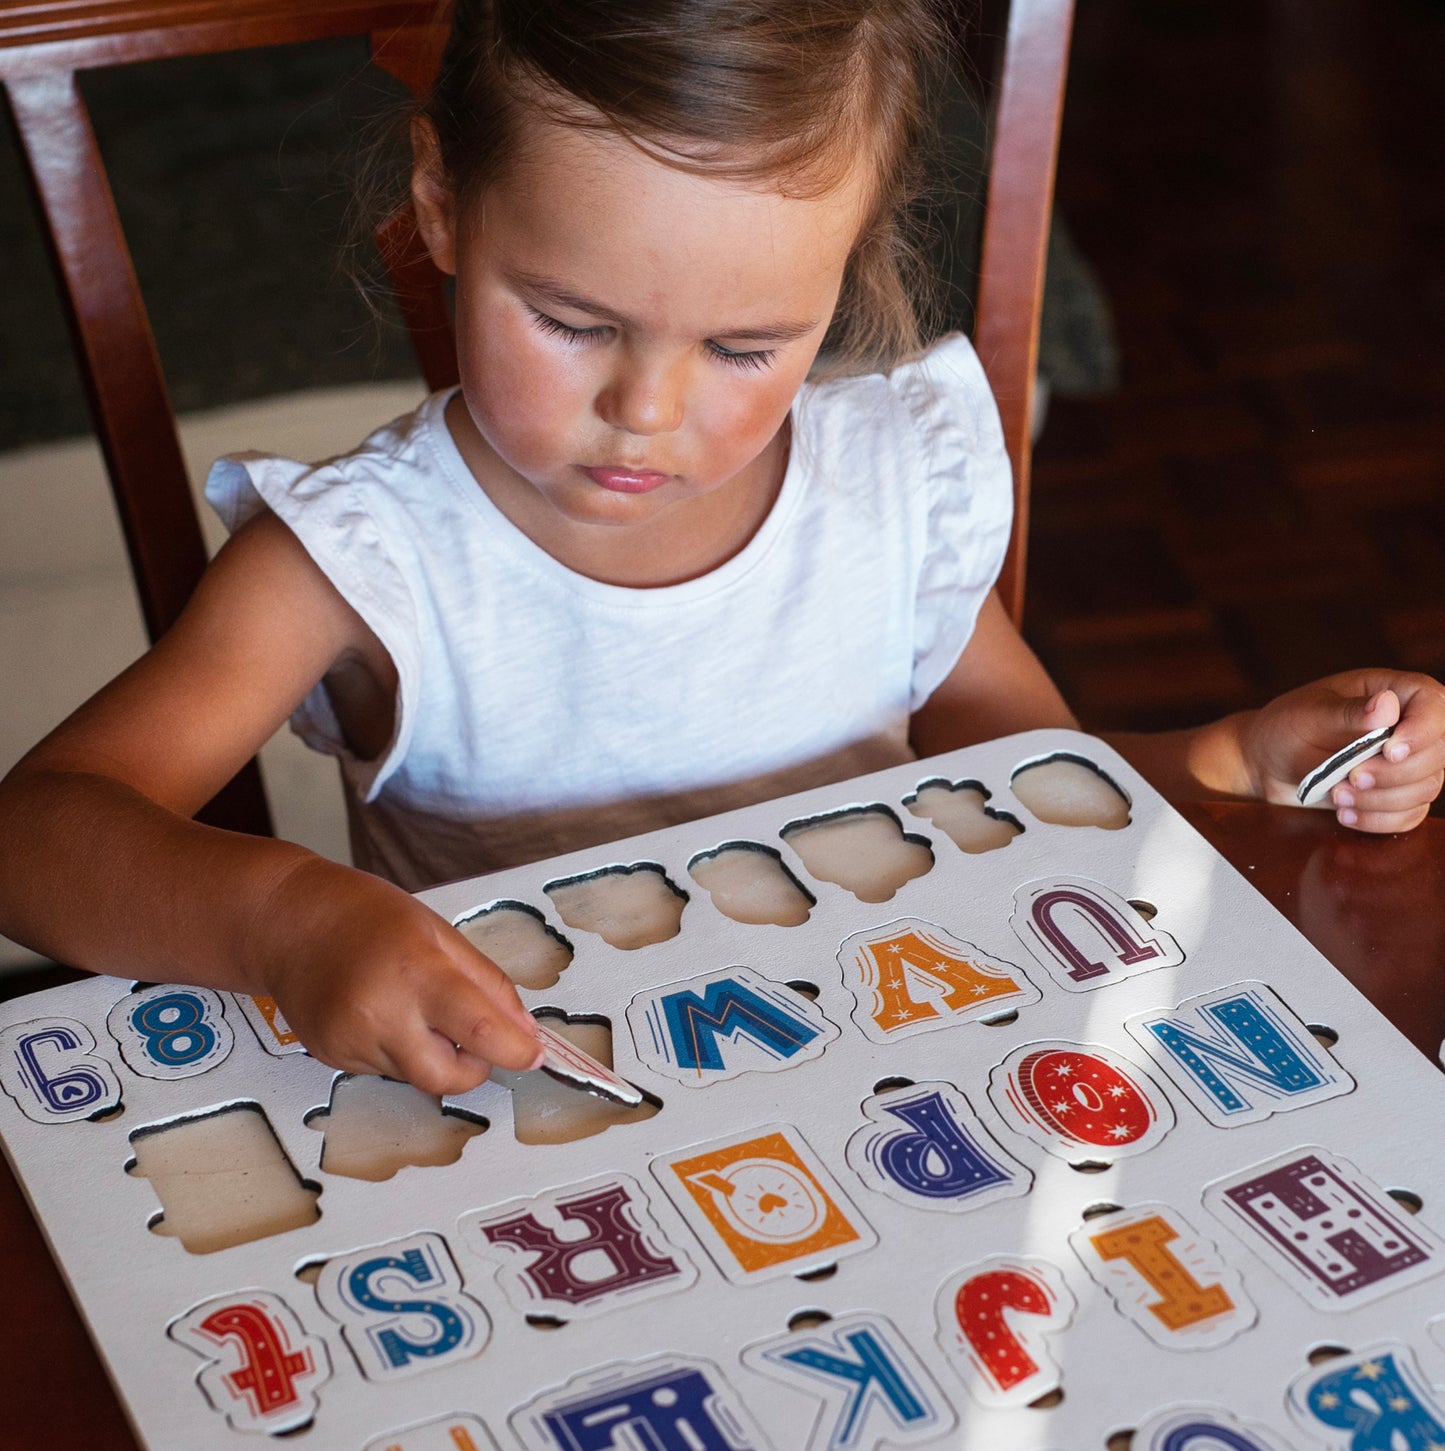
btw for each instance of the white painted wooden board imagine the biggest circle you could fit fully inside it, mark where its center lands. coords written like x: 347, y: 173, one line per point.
x: 902, y: 1258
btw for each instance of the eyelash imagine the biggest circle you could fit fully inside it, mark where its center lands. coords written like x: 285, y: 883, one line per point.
x: 750, y: 361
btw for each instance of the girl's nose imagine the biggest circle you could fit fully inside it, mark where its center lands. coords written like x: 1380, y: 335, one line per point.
x: 644, y: 399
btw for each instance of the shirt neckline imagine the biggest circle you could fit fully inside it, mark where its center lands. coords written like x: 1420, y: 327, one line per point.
x: 503, y: 532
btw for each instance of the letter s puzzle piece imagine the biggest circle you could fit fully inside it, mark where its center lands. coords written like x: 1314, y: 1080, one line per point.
x: 49, y: 1066
x: 578, y: 1251
x: 171, y: 1032
x: 726, y: 1023
x: 1086, y: 935
x: 762, y: 1204
x: 1165, y: 1277
x: 925, y: 1147
x: 1325, y: 1228
x: 1080, y: 1099
x: 873, y: 1387
x: 667, y: 1403
x: 262, y: 1367
x: 444, y: 1433
x: 994, y: 1321
x: 1374, y: 1400
x: 1202, y: 1428
x: 401, y: 1307
x: 912, y: 977
x: 1239, y: 1055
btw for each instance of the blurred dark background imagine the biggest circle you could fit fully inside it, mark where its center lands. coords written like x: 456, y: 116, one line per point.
x: 1238, y: 485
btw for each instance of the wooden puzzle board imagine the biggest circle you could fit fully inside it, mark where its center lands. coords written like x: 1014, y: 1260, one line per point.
x: 967, y: 1287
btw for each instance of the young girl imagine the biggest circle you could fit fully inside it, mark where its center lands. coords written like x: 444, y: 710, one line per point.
x: 637, y: 569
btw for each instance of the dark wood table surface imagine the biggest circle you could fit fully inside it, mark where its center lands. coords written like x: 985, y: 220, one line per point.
x: 1375, y: 906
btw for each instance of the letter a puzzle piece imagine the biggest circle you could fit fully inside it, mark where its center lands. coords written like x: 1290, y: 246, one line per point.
x: 763, y: 1205
x: 1239, y: 1055
x: 401, y: 1307
x: 1165, y: 1277
x: 725, y: 1023
x: 1325, y: 1228
x: 1080, y: 1099
x: 444, y: 1433
x: 873, y: 1387
x: 578, y: 1251
x: 1086, y: 935
x: 49, y: 1066
x: 994, y: 1322
x: 665, y: 1404
x: 1374, y: 1400
x: 925, y: 1147
x: 262, y: 1368
x: 912, y: 977
x: 1202, y: 1428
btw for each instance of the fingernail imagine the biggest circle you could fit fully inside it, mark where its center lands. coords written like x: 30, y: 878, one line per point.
x: 1362, y: 781
x: 1372, y: 702
x: 1347, y: 817
x: 1397, y: 751
x: 1344, y: 796
x: 540, y: 1059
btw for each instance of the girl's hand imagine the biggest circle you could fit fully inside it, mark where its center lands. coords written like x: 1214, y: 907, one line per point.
x: 1392, y: 791
x: 374, y: 982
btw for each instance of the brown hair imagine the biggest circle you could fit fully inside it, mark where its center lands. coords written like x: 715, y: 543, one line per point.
x: 790, y: 91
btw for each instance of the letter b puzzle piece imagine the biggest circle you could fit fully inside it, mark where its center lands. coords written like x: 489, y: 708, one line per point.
x: 874, y: 1388
x: 994, y: 1321
x: 911, y: 977
x: 1165, y: 1277
x: 401, y: 1307
x: 262, y: 1368
x: 725, y: 1023
x: 665, y: 1404
x: 1375, y: 1400
x: 582, y: 1250
x: 49, y: 1066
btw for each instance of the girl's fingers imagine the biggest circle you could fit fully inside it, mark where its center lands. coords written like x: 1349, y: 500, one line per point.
x: 482, y: 1028
x: 1383, y: 822
x: 1388, y: 799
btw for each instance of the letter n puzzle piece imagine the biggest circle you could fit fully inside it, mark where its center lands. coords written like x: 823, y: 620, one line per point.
x: 924, y: 1146
x: 1325, y: 1228
x: 578, y: 1251
x: 49, y: 1066
x: 910, y: 977
x: 262, y: 1368
x: 763, y: 1205
x: 873, y: 1387
x: 401, y: 1307
x: 1202, y: 1428
x: 1078, y: 1099
x: 1165, y: 1277
x: 171, y: 1032
x: 665, y: 1404
x: 1239, y: 1055
x: 1375, y: 1400
x: 444, y: 1433
x: 1086, y: 935
x: 726, y: 1023
x: 994, y: 1321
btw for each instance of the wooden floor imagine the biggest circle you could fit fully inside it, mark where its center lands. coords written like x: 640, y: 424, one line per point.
x: 1260, y: 185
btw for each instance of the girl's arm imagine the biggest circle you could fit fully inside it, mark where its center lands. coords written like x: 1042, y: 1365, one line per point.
x: 101, y: 866
x: 999, y: 686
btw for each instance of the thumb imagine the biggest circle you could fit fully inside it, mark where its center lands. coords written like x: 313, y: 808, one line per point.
x: 1380, y: 710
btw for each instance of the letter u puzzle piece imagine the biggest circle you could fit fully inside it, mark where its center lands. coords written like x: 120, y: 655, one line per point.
x: 1042, y: 1143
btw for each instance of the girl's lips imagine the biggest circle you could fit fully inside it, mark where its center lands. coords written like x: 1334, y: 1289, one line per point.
x: 626, y: 481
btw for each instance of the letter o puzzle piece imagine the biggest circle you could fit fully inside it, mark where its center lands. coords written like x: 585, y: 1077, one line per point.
x: 49, y: 1066
x: 171, y: 1032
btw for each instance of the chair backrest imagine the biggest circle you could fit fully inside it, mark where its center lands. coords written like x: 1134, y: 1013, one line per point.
x: 45, y: 43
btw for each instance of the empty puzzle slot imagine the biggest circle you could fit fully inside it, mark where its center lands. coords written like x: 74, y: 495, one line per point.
x: 1120, y: 1440
x: 1089, y: 1166
x: 545, y: 1111
x: 223, y: 1179
x: 809, y: 1319
x: 750, y: 883
x: 1319, y: 1354
x: 545, y: 1322
x: 626, y: 906
x: 1093, y: 1211
x: 822, y: 1272
x: 862, y: 849
x: 1048, y: 1400
x: 892, y: 1085
x: 375, y: 1126
x: 1324, y: 1035
x: 805, y: 989
x: 1407, y: 1199
x: 1069, y: 790
x: 1147, y: 910
x: 959, y: 809
x: 517, y: 938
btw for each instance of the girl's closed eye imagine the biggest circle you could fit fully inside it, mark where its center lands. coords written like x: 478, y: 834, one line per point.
x: 749, y: 360
x: 564, y: 330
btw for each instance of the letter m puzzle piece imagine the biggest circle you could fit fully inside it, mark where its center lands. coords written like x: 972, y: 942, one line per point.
x: 579, y: 1251
x: 1240, y: 1055
x: 262, y: 1368
x: 726, y: 1023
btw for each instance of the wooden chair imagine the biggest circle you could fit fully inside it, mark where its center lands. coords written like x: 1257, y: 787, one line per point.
x: 43, y: 44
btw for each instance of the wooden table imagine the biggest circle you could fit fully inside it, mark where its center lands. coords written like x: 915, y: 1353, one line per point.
x: 1375, y: 906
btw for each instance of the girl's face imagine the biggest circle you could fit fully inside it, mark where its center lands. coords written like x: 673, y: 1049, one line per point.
x: 630, y: 339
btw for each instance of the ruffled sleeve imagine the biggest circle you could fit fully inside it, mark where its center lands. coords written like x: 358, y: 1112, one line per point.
x: 331, y: 510
x: 969, y: 503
